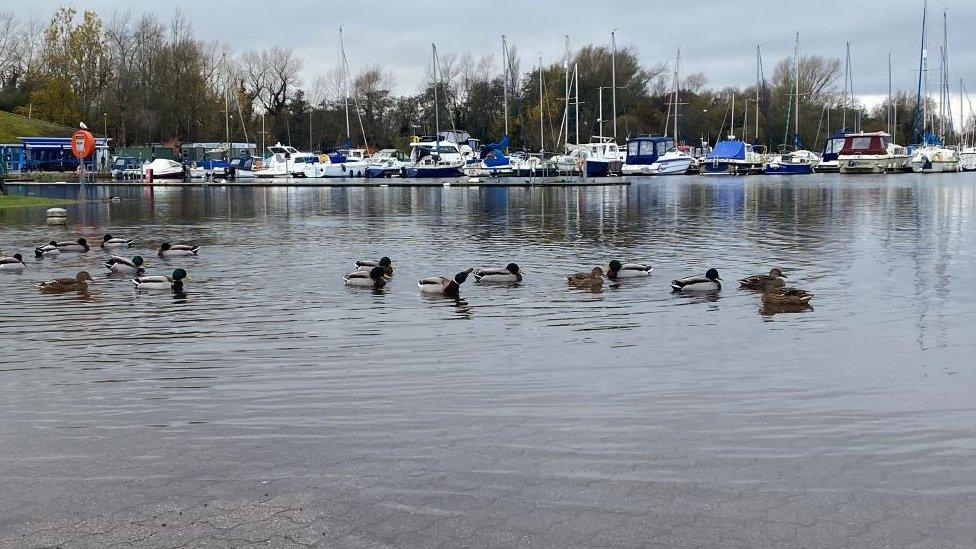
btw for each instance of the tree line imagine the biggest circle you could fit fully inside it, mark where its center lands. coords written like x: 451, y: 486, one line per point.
x: 140, y: 79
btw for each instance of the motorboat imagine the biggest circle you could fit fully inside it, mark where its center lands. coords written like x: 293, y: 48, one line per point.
x: 492, y: 161
x: 871, y: 152
x: 386, y: 163
x: 792, y: 163
x: 438, y: 156
x: 340, y: 163
x: 733, y: 157
x: 126, y: 167
x: 967, y: 159
x: 285, y: 161
x: 831, y: 149
x: 243, y: 167
x: 164, y: 168
x: 655, y: 155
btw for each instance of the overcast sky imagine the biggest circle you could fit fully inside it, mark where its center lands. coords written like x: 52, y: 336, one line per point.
x: 717, y: 37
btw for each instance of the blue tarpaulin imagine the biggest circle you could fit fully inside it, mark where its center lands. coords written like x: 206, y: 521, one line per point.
x: 728, y: 149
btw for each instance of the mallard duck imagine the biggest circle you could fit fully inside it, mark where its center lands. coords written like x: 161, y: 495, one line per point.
x: 511, y: 273
x: 47, y: 250
x: 79, y: 246
x: 77, y: 284
x: 13, y: 263
x: 786, y: 296
x: 109, y: 243
x: 161, y: 282
x: 593, y: 278
x: 124, y: 265
x: 764, y: 282
x: 627, y: 270
x: 374, y: 278
x: 368, y: 264
x: 444, y: 285
x: 175, y: 250
x: 709, y: 282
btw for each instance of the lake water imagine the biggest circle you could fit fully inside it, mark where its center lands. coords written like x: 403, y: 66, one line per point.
x: 537, y: 414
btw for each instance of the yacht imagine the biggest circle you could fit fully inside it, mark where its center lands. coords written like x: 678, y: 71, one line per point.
x: 285, y: 161
x: 733, y: 157
x: 792, y: 163
x: 164, y: 168
x: 832, y: 147
x: 343, y: 163
x: 601, y: 157
x: 432, y: 156
x: 386, y: 163
x: 967, y: 159
x: 871, y: 152
x: 934, y: 158
x: 655, y: 155
x: 492, y: 162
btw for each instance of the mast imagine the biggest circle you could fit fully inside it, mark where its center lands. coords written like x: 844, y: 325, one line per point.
x: 599, y: 117
x: 732, y: 125
x: 613, y: 80
x: 226, y: 109
x: 944, y: 87
x: 758, y: 84
x: 505, y: 77
x: 542, y: 127
x: 796, y: 92
x: 437, y: 115
x: 847, y: 68
x: 566, y: 110
x: 576, y: 99
x: 345, y: 87
x: 891, y: 129
x: 918, y: 133
x: 677, y: 87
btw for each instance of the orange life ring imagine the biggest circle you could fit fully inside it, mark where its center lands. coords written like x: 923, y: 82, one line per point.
x: 82, y: 144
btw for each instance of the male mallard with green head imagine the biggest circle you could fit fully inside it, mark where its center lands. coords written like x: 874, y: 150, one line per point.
x: 78, y: 246
x: 109, y: 243
x: 161, y: 282
x: 511, y: 273
x: 764, y: 282
x: 385, y: 262
x: 616, y: 270
x: 444, y: 285
x: 47, y: 250
x: 60, y: 285
x: 374, y: 278
x: 708, y: 283
x: 124, y: 265
x: 12, y: 263
x: 176, y: 250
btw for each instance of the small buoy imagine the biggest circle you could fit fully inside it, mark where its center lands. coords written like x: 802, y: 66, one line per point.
x: 57, y: 216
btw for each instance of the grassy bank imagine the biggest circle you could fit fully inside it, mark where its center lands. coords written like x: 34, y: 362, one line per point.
x: 13, y: 126
x: 12, y: 201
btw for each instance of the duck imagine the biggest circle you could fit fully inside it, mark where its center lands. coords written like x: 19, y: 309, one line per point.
x: 12, y: 263
x: 764, y: 282
x: 79, y: 246
x: 786, y: 296
x: 444, y: 285
x: 59, y: 285
x: 174, y: 250
x: 593, y: 278
x: 367, y: 264
x: 709, y: 282
x: 47, y: 250
x: 511, y: 273
x: 109, y: 243
x: 374, y: 278
x: 162, y: 282
x: 616, y: 270
x: 124, y: 265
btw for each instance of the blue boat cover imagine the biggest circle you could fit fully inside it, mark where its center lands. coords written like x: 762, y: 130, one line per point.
x: 728, y: 149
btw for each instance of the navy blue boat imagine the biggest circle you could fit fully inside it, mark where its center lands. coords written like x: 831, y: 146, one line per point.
x: 732, y: 157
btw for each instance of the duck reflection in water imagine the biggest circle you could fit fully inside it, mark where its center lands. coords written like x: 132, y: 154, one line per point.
x: 772, y: 309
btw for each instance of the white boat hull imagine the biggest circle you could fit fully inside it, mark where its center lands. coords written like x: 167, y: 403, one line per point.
x: 872, y: 163
x: 345, y: 169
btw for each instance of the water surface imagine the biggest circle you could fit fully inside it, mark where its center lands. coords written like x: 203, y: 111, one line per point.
x: 513, y: 415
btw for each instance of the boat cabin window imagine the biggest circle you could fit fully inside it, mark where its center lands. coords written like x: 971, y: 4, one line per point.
x: 861, y: 143
x: 834, y: 145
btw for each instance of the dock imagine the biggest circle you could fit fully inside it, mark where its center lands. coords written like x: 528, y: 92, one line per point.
x: 558, y: 181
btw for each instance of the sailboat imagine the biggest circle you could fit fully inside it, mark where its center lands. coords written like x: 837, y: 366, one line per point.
x: 657, y: 154
x: 799, y: 161
x: 732, y: 156
x: 933, y: 156
x: 440, y: 155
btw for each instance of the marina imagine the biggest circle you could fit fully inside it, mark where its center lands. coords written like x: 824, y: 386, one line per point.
x: 562, y: 276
